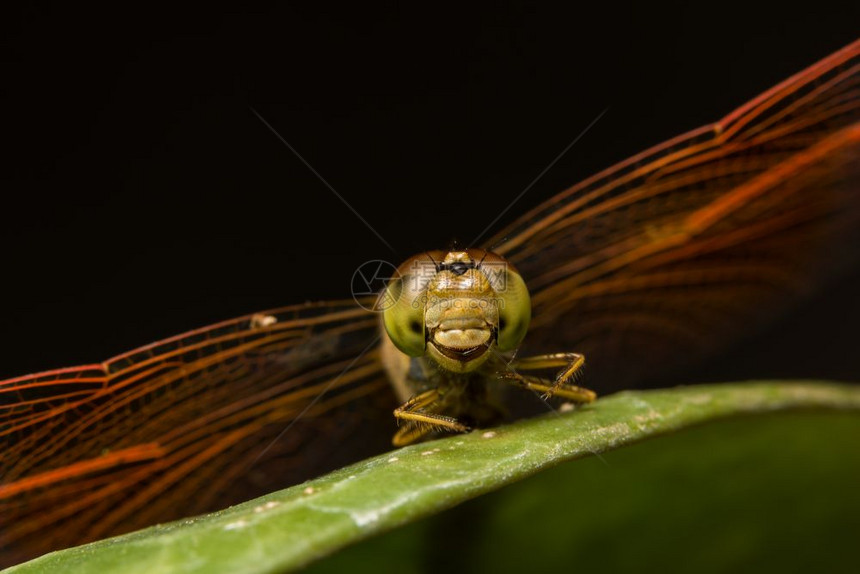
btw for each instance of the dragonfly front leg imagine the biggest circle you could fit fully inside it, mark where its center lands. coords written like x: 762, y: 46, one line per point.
x: 563, y: 385
x: 421, y: 420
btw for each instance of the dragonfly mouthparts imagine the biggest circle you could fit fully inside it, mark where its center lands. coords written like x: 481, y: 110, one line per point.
x: 463, y: 355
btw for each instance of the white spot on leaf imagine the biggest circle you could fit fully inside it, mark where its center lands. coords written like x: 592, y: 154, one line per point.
x: 236, y: 525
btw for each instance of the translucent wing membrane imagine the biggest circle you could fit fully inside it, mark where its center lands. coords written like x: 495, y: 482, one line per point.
x: 678, y: 248
x: 173, y: 428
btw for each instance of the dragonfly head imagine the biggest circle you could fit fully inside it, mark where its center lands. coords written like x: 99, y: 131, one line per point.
x: 457, y: 308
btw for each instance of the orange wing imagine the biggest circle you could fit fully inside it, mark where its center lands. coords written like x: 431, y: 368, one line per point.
x: 174, y: 428
x: 676, y: 250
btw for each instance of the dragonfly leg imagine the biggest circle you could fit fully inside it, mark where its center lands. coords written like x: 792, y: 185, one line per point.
x: 421, y: 420
x: 563, y: 385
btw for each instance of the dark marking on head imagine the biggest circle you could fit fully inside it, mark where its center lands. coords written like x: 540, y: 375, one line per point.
x: 458, y: 267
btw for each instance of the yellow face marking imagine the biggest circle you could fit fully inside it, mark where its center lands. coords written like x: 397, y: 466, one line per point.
x: 456, y: 311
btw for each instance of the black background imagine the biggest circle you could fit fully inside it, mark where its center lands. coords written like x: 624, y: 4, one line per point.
x: 142, y: 197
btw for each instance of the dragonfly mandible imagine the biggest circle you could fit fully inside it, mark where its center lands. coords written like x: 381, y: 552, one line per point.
x: 652, y: 262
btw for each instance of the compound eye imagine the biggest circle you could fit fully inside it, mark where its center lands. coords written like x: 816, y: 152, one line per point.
x: 405, y: 298
x: 515, y: 311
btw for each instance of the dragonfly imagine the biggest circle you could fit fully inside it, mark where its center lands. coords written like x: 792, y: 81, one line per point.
x: 650, y: 264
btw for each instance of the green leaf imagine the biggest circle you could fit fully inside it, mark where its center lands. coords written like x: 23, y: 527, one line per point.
x: 769, y: 493
x: 296, y: 526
